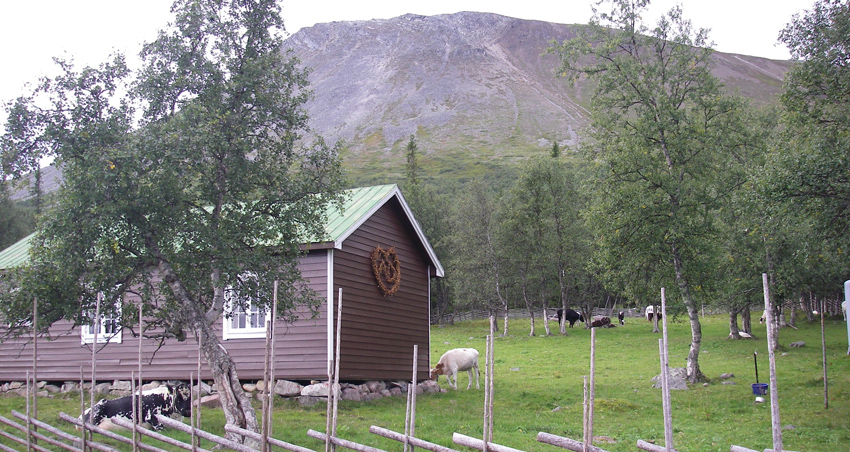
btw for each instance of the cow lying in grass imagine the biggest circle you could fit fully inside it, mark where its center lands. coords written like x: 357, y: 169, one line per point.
x: 454, y: 361
x: 164, y: 400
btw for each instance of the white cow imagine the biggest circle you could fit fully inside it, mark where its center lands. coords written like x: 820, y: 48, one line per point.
x: 455, y: 360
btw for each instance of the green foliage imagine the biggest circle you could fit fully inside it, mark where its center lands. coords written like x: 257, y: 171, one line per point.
x: 543, y: 239
x: 475, y: 249
x: 210, y: 185
x: 412, y: 164
x: 665, y: 140
x: 214, y: 188
x: 16, y: 219
x: 810, y: 167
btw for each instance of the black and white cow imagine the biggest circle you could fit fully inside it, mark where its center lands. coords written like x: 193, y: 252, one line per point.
x: 165, y: 401
x: 571, y: 316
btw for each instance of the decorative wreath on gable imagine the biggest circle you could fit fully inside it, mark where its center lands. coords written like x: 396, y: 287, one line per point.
x: 387, y: 269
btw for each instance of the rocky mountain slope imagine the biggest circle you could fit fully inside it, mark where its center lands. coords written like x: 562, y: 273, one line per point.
x: 477, y: 89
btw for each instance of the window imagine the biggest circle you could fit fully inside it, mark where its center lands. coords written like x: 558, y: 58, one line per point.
x: 244, y: 317
x: 108, y: 329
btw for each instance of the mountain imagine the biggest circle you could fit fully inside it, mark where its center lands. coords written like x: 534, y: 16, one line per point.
x: 478, y: 90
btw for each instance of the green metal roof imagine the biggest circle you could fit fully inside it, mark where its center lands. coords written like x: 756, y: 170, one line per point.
x: 16, y: 254
x: 359, y: 204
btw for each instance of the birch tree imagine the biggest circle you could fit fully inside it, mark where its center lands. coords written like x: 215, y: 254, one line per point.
x: 661, y: 139
x: 199, y: 181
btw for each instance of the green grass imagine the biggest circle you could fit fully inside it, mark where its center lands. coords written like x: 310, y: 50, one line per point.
x: 539, y: 387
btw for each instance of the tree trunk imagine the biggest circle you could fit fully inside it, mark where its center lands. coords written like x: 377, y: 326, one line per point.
x: 808, y: 304
x: 733, y: 324
x: 746, y: 319
x: 693, y: 370
x: 562, y: 325
x: 234, y: 402
x: 529, y: 307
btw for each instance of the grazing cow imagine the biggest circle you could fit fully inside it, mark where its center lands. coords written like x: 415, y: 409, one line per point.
x: 177, y: 399
x: 570, y: 316
x: 454, y: 361
x: 621, y: 316
x: 650, y: 311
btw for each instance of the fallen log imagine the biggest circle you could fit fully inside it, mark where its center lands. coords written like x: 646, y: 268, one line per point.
x: 342, y: 442
x: 171, y: 423
x: 566, y: 443
x: 121, y: 422
x: 641, y: 444
x: 272, y: 441
x: 413, y: 441
x: 476, y: 443
x: 111, y: 435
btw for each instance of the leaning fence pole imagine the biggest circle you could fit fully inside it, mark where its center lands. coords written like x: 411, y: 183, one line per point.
x: 410, y: 412
x: 264, y: 429
x: 491, y: 386
x: 335, y: 387
x: 84, y: 430
x: 329, y: 409
x: 29, y: 427
x: 665, y: 375
x: 96, y: 329
x: 34, y: 359
x: 591, y: 401
x: 193, y: 397
x: 198, y: 416
x: 270, y: 387
x: 137, y: 412
x: 486, y: 427
x: 134, y: 410
x: 584, y: 417
x: 823, y: 351
x: 771, y: 345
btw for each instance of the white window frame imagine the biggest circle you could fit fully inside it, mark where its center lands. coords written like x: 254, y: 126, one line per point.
x: 109, y: 330
x: 248, y: 323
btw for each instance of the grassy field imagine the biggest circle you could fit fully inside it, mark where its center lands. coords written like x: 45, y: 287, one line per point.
x: 539, y: 381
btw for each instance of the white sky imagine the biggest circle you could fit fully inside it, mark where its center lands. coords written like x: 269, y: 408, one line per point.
x: 34, y: 31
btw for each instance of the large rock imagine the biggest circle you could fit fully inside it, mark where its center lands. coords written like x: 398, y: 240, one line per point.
x: 211, y: 401
x: 120, y: 385
x: 286, y: 388
x: 375, y: 386
x: 205, y: 389
x: 351, y: 394
x: 100, y: 388
x: 676, y: 379
x: 315, y: 390
x: 430, y: 386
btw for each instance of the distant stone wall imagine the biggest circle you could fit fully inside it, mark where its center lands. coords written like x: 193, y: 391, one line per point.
x: 310, y: 394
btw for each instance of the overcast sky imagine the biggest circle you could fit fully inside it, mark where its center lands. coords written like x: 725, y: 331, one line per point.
x: 34, y: 31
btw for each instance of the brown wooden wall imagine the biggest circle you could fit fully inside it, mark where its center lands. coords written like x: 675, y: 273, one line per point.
x: 300, y: 349
x: 378, y: 332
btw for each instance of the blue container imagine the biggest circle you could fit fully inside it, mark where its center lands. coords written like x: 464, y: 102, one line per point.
x: 759, y: 388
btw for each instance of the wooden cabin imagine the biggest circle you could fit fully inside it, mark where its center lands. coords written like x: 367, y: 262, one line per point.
x: 380, y: 324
